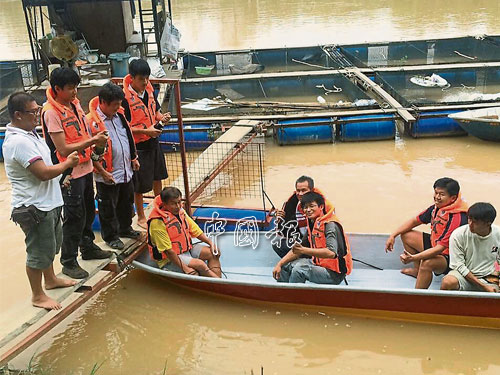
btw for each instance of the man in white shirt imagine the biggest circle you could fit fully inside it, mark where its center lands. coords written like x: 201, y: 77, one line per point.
x: 36, y: 195
x: 474, y: 249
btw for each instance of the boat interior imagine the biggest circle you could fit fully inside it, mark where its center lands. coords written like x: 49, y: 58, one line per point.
x: 373, y: 268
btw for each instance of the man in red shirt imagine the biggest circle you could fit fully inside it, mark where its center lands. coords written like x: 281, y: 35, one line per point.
x: 429, y: 252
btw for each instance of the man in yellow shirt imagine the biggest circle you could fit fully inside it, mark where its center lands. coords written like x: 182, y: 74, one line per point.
x: 170, y: 233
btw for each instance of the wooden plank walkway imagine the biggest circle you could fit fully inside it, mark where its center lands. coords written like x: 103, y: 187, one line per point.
x: 381, y: 93
x: 20, y: 321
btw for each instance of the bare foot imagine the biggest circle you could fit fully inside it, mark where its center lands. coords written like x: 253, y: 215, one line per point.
x: 59, y: 283
x: 142, y: 223
x: 45, y: 302
x: 413, y: 272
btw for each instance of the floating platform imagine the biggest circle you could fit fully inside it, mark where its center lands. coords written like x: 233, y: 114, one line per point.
x: 324, y: 57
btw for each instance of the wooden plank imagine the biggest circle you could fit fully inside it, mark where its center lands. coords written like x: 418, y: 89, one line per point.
x: 16, y: 320
x: 369, y: 84
x: 284, y: 116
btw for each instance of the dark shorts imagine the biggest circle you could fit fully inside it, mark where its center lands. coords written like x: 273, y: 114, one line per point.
x: 152, y: 168
x: 426, y: 238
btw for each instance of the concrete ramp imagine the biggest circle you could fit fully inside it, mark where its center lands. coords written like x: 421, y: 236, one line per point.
x: 215, y: 155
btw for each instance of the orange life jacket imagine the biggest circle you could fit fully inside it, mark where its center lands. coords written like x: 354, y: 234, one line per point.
x: 142, y: 116
x: 292, y: 205
x: 74, y: 125
x: 178, y: 231
x: 317, y: 240
x: 97, y: 125
x: 440, y: 218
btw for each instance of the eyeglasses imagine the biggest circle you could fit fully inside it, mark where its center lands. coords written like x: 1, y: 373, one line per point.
x: 34, y: 112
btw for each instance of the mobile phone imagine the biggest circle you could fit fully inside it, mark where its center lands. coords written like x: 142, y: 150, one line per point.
x: 158, y: 126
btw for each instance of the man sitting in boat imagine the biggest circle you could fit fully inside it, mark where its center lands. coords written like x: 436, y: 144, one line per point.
x: 474, y: 249
x: 170, y: 233
x: 290, y: 220
x: 429, y: 252
x: 324, y: 257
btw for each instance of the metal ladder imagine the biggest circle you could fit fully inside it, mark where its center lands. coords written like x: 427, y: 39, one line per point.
x: 151, y: 24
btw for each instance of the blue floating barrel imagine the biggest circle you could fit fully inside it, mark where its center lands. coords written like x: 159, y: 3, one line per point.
x: 294, y: 134
x: 196, y: 136
x: 367, y: 128
x: 436, y: 126
x: 201, y: 214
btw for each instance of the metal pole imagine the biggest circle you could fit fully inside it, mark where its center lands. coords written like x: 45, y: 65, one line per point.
x: 180, y: 126
x: 170, y: 11
x: 156, y: 24
x: 28, y: 26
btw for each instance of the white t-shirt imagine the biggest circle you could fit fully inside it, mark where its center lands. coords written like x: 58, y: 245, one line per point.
x: 20, y: 149
x: 470, y: 252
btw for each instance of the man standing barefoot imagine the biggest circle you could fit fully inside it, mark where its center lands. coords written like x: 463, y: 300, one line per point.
x: 36, y: 196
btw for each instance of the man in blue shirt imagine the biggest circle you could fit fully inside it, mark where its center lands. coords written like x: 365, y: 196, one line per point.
x: 114, y: 169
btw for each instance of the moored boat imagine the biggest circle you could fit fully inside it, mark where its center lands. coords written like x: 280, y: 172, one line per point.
x: 376, y: 288
x: 481, y: 123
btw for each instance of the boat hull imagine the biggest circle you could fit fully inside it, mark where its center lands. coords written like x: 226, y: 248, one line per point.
x: 425, y: 308
x: 376, y: 288
x: 482, y: 123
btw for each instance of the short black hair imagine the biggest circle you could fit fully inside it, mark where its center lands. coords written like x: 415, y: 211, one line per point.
x: 110, y: 92
x: 18, y: 101
x: 170, y: 192
x: 448, y: 184
x: 139, y: 67
x: 62, y: 77
x: 307, y: 179
x: 311, y: 197
x: 482, y: 211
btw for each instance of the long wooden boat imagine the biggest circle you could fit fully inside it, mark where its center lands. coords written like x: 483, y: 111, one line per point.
x: 375, y: 288
x: 481, y: 123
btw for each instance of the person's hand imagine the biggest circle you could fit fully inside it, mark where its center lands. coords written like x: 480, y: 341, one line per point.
x: 73, y: 159
x: 297, y: 248
x: 152, y: 132
x: 100, y: 138
x: 66, y: 182
x: 277, y: 272
x: 135, y: 165
x: 280, y: 213
x: 165, y: 118
x: 406, y: 257
x: 490, y: 288
x: 389, y: 245
x: 214, y: 250
x: 108, y: 178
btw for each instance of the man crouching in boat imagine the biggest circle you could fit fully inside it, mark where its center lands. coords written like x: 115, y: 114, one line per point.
x: 290, y: 220
x: 429, y: 252
x: 324, y: 257
x: 474, y: 249
x: 170, y: 231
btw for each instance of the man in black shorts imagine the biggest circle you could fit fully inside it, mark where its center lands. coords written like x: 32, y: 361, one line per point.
x: 429, y: 252
x: 142, y: 110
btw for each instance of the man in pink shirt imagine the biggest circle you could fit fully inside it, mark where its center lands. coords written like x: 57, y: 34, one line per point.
x: 65, y: 130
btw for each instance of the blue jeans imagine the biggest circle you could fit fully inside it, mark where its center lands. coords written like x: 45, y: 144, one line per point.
x: 302, y: 269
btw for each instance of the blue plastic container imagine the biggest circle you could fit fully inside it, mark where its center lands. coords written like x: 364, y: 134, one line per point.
x: 199, y: 139
x: 227, y: 213
x: 119, y: 63
x: 296, y: 135
x: 436, y: 126
x: 367, y: 131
